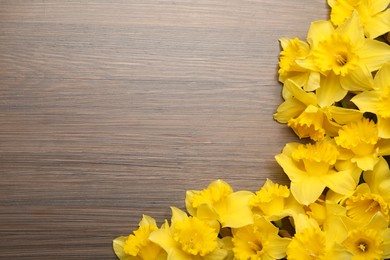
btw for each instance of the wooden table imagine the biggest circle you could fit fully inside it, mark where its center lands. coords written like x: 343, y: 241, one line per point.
x: 112, y: 109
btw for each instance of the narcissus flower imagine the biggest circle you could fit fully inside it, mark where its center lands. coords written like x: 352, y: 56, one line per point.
x: 259, y: 240
x: 375, y: 15
x: 188, y: 238
x: 219, y: 202
x: 274, y: 202
x: 311, y: 168
x: 367, y: 241
x: 312, y: 115
x: 377, y: 101
x: 310, y: 242
x: 137, y: 246
x: 344, y: 55
x: 293, y: 50
x: 360, y: 142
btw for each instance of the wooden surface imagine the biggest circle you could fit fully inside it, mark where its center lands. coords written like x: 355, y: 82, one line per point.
x: 112, y: 109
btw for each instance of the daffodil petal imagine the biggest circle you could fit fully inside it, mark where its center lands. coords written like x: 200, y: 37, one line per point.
x: 374, y: 54
x: 163, y: 238
x: 289, y: 167
x: 378, y: 25
x: 117, y: 245
x: 379, y: 174
x: 381, y: 80
x: 378, y: 6
x: 359, y: 79
x: 384, y: 147
x: 217, y: 254
x: 344, y: 115
x: 341, y: 182
x: 290, y: 108
x: 307, y: 190
x: 238, y: 212
x: 178, y: 215
x: 297, y: 92
x: 330, y: 91
x: 384, y: 127
x: 318, y: 31
x: 367, y: 101
x: 352, y: 29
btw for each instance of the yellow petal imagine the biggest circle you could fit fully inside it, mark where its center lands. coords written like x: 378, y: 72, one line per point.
x: 163, y: 238
x: 117, y: 245
x: 384, y: 147
x: 381, y: 80
x: 178, y: 215
x: 344, y: 115
x: 217, y: 254
x: 374, y: 54
x: 378, y: 25
x: 342, y: 182
x: 237, y: 212
x: 378, y: 175
x: 367, y: 101
x: 307, y: 190
x: 290, y: 168
x: 384, y: 127
x: 297, y: 92
x: 378, y: 6
x: 359, y: 79
x: 318, y: 31
x: 352, y: 29
x: 290, y: 108
x: 330, y: 90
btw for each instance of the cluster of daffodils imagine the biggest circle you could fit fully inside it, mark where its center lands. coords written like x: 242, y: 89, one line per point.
x: 336, y: 91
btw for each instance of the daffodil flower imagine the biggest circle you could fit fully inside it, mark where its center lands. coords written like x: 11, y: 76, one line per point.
x: 313, y: 115
x: 293, y: 50
x: 375, y: 15
x: 311, y: 169
x: 137, y: 246
x: 377, y: 101
x: 189, y: 238
x: 311, y: 242
x: 367, y: 241
x: 274, y: 202
x: 219, y: 202
x: 344, y: 56
x: 259, y: 240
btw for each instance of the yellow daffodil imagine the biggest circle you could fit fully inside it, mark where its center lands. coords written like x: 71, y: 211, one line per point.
x: 219, y: 202
x: 189, y: 238
x: 359, y: 141
x: 310, y: 242
x: 295, y: 49
x: 344, y: 55
x: 311, y: 115
x: 367, y: 241
x: 274, y: 202
x: 375, y: 15
x: 377, y: 101
x: 364, y: 204
x: 311, y: 169
x: 259, y: 240
x: 137, y: 246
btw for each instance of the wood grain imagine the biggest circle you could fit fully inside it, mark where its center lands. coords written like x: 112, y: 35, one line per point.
x: 112, y: 109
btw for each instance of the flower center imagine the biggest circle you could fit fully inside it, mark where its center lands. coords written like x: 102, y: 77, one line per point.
x: 317, y: 158
x: 364, y: 243
x: 360, y: 137
x: 195, y: 236
x: 363, y: 207
x: 216, y: 192
x: 308, y: 244
x: 336, y: 54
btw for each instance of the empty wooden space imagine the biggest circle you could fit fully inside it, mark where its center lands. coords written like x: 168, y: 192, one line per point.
x: 113, y: 109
